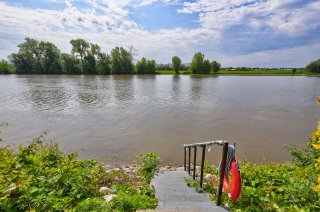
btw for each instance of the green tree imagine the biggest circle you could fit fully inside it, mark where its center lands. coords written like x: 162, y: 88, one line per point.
x: 36, y: 57
x: 95, y: 50
x: 176, y: 63
x: 50, y: 58
x: 25, y: 59
x: 79, y: 48
x: 89, y: 64
x: 121, y: 61
x: 215, y: 66
x: 206, y: 67
x: 142, y: 66
x: 145, y: 66
x: 197, y: 63
x: 70, y: 64
x: 313, y: 67
x: 151, y: 66
x: 5, y: 68
x: 103, y: 64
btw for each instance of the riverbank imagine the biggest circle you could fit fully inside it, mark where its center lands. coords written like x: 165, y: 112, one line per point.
x: 221, y: 72
x: 245, y: 73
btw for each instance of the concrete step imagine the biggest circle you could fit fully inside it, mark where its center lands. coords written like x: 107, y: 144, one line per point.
x: 174, y: 195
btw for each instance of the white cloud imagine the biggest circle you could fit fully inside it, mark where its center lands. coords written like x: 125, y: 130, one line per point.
x: 108, y: 23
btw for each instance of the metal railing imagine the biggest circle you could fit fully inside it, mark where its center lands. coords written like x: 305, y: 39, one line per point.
x: 188, y: 147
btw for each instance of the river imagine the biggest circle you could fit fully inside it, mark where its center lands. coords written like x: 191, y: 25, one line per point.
x: 115, y: 118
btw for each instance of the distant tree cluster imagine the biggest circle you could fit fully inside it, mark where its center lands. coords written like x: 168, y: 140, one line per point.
x: 39, y: 57
x: 145, y: 66
x: 313, y: 67
x: 199, y: 65
x: 5, y: 67
x: 36, y: 57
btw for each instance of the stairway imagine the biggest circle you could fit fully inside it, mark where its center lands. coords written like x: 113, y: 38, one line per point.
x: 174, y: 195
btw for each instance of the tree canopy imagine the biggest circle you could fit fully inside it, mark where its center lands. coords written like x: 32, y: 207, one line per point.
x: 215, y: 66
x: 199, y: 65
x: 41, y: 57
x: 313, y: 67
x: 145, y: 66
x: 176, y: 64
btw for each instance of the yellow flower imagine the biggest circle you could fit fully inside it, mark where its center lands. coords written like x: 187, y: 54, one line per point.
x: 316, y: 146
x: 318, y: 100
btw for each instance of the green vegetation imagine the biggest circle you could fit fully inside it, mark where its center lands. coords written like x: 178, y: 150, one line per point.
x: 292, y: 186
x: 39, y: 57
x: 215, y: 67
x: 199, y: 65
x: 40, y: 177
x: 176, y: 63
x: 6, y: 68
x: 146, y: 66
x: 121, y: 61
x: 36, y: 57
x: 313, y: 67
x: 148, y: 165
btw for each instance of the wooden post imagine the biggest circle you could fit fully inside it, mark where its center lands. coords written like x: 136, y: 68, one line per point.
x: 189, y: 148
x: 185, y: 158
x: 202, y: 164
x: 222, y: 172
x: 194, y: 162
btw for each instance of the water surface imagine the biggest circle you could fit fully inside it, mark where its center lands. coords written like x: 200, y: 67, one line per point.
x: 117, y: 117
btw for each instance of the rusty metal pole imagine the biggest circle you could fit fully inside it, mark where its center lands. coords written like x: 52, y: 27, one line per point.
x: 202, y: 164
x: 185, y: 158
x: 189, y: 148
x: 222, y: 172
x: 194, y: 162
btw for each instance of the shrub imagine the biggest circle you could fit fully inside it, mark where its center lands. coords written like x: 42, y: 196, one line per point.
x: 40, y: 177
x: 148, y: 165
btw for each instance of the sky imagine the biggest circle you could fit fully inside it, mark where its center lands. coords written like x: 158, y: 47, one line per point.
x: 251, y: 33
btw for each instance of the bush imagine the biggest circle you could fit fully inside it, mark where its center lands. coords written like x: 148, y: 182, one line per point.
x: 40, y: 177
x: 148, y: 165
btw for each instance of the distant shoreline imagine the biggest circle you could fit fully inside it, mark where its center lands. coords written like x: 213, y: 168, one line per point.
x: 220, y: 73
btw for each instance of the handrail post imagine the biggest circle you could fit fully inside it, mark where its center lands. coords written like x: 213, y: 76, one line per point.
x: 194, y: 162
x: 185, y: 158
x: 202, y: 164
x: 222, y: 172
x: 189, y: 148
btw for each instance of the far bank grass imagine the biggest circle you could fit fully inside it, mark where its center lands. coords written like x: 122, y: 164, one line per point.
x: 249, y: 72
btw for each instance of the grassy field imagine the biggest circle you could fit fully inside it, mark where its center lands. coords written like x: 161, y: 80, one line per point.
x: 249, y: 72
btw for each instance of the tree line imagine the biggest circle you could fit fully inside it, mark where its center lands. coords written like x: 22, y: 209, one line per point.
x: 39, y: 57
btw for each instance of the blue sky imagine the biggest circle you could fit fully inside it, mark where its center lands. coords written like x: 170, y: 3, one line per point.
x: 253, y: 33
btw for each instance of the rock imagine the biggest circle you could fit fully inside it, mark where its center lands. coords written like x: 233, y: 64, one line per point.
x: 181, y: 168
x: 109, y: 197
x: 208, y: 176
x: 105, y: 190
x: 108, y: 167
x: 125, y: 167
x: 162, y: 169
x: 168, y: 167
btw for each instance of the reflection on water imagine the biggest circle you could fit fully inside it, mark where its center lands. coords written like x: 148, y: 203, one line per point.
x: 45, y: 97
x: 122, y: 116
x: 123, y: 89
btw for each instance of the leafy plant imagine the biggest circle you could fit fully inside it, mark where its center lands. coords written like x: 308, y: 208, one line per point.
x: 148, y: 165
x: 40, y: 177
